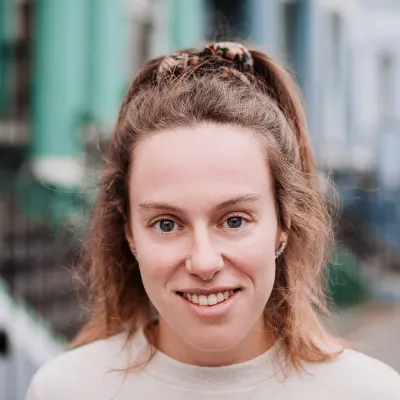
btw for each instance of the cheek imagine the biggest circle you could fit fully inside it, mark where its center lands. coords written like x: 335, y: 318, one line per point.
x: 259, y: 263
x: 154, y: 259
x: 256, y: 258
x: 261, y: 269
x: 154, y: 269
x: 154, y: 277
x: 260, y: 244
x: 157, y: 266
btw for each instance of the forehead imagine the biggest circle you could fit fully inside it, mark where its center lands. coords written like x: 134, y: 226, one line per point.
x: 204, y: 162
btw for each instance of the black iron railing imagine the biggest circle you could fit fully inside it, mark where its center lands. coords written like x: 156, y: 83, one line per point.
x: 38, y: 253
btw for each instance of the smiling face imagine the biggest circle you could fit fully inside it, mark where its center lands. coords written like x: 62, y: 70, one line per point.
x: 204, y: 225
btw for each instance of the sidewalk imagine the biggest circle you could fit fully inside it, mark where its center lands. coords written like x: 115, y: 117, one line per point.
x: 374, y: 328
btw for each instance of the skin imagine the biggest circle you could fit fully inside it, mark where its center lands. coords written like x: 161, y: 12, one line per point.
x: 194, y: 170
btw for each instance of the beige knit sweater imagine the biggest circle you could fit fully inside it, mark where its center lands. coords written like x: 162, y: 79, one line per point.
x: 84, y: 374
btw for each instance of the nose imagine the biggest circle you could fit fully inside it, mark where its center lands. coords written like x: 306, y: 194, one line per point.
x: 204, y: 261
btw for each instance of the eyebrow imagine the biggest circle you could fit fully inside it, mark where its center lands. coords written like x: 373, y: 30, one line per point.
x: 150, y: 205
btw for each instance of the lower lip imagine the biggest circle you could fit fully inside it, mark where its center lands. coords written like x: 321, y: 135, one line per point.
x: 219, y: 310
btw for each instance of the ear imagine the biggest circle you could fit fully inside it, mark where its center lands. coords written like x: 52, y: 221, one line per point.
x: 129, y: 237
x: 283, y: 231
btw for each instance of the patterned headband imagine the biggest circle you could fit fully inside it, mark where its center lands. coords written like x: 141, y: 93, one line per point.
x: 236, y: 52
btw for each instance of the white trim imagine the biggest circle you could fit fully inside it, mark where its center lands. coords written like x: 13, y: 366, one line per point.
x: 64, y: 171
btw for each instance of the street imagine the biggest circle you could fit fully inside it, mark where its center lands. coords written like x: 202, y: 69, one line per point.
x: 374, y: 329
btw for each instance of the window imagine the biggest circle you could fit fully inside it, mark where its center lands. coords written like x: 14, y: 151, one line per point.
x: 291, y: 31
x: 386, y: 74
x: 228, y: 20
x: 141, y: 27
x: 336, y: 41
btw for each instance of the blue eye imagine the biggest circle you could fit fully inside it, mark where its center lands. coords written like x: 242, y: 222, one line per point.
x: 166, y: 225
x: 235, y: 222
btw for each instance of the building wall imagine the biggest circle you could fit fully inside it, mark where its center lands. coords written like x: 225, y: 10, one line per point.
x: 337, y: 48
x: 376, y: 37
x: 339, y: 68
x: 329, y: 58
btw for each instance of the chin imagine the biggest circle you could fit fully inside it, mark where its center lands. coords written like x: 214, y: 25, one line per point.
x: 214, y: 338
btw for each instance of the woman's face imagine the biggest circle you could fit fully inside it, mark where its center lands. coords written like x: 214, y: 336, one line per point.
x: 204, y: 225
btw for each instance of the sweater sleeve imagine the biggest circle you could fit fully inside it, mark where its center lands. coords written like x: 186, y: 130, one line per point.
x: 31, y: 393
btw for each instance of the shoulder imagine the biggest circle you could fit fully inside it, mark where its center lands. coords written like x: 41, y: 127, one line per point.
x: 77, y: 373
x: 357, y: 374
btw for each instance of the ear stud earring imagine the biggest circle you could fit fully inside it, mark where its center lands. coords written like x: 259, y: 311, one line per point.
x: 280, y: 250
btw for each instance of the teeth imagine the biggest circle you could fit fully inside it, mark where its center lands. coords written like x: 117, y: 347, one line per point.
x: 195, y: 299
x: 203, y: 300
x: 212, y: 299
x: 209, y: 300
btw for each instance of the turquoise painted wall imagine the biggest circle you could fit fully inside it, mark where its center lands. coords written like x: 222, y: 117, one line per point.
x: 187, y: 23
x: 60, y: 75
x: 108, y: 77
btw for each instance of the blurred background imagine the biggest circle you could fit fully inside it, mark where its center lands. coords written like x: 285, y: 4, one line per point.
x: 64, y: 68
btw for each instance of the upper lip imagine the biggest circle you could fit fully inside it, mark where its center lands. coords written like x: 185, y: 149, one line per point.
x: 205, y: 291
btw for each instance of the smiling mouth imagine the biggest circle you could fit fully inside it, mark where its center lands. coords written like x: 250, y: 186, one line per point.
x: 208, y: 300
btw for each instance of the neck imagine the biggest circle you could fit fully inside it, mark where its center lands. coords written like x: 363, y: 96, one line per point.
x: 165, y: 339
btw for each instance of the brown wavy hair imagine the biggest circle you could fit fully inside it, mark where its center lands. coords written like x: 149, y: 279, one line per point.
x: 269, y: 104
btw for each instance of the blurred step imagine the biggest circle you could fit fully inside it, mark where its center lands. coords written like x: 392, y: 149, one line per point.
x: 31, y: 254
x: 11, y: 157
x: 14, y: 133
x: 66, y: 317
x: 43, y: 283
x: 13, y: 266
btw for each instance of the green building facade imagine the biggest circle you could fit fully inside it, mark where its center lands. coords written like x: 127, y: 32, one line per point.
x: 81, y: 52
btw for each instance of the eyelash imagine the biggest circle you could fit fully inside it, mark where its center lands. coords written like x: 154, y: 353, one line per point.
x: 247, y: 219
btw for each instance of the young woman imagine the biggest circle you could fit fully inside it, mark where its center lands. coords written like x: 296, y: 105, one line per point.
x: 207, y: 247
